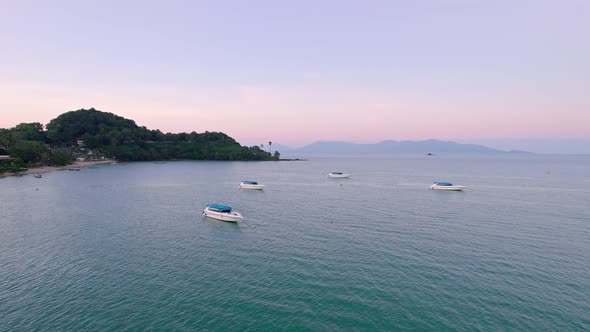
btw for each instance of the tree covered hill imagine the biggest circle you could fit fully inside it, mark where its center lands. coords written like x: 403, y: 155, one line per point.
x: 95, y: 127
x: 123, y: 139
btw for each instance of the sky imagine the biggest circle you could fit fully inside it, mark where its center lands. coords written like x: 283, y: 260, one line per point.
x: 504, y: 73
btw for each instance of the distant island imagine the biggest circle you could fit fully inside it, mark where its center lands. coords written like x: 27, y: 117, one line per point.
x: 431, y: 146
x: 91, y: 134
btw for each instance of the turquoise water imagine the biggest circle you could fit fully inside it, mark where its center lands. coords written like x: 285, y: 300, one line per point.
x: 124, y: 247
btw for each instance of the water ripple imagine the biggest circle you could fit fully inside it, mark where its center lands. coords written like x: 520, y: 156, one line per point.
x: 125, y: 248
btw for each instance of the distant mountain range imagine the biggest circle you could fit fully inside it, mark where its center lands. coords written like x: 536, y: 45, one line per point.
x: 390, y: 146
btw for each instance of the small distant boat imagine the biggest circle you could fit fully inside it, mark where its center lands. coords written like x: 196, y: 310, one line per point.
x: 114, y: 162
x: 251, y: 185
x: 37, y: 176
x: 430, y: 154
x: 222, y: 212
x: 74, y: 169
x: 159, y: 162
x: 338, y: 175
x: 445, y: 186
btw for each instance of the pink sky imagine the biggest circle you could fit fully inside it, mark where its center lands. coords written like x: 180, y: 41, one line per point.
x: 354, y: 71
x: 302, y: 114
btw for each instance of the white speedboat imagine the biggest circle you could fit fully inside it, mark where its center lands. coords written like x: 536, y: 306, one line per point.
x: 222, y: 212
x: 251, y: 185
x: 338, y: 175
x: 445, y: 186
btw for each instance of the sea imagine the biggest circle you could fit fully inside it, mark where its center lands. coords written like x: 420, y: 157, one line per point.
x: 126, y: 248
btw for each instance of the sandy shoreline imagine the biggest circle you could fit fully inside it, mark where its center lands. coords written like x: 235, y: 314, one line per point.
x: 46, y: 169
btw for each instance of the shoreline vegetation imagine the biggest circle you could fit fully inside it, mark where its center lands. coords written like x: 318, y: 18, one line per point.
x: 86, y: 135
x: 83, y: 164
x: 47, y: 169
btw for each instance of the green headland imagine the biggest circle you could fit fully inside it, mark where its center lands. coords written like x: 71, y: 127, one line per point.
x: 89, y: 134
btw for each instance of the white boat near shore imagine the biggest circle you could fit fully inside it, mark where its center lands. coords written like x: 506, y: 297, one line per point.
x: 222, y: 212
x: 446, y: 186
x: 338, y: 175
x: 251, y: 185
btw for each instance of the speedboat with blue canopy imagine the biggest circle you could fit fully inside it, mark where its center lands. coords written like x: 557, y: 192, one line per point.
x: 338, y: 175
x: 222, y: 212
x: 438, y: 185
x: 251, y: 185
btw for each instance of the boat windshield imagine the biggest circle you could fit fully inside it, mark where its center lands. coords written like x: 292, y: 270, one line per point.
x: 443, y: 183
x: 250, y: 182
x: 219, y: 208
x: 339, y: 173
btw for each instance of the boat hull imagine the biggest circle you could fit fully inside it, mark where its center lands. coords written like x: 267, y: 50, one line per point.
x: 447, y: 188
x: 251, y: 186
x: 223, y: 216
x: 338, y: 176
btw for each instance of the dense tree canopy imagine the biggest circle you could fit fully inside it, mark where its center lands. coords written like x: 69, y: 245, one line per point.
x: 95, y: 127
x: 60, y: 157
x: 119, y: 138
x: 29, y: 151
x: 24, y: 131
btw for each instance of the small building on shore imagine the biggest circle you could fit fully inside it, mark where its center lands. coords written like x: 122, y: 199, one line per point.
x: 5, y: 156
x: 6, y: 160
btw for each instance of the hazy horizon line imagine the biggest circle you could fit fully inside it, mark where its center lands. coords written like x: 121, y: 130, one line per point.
x: 548, y: 145
x: 533, y: 145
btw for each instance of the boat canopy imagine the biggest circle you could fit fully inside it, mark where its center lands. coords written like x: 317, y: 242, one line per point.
x: 443, y: 183
x: 250, y: 182
x: 220, y: 208
x: 337, y: 173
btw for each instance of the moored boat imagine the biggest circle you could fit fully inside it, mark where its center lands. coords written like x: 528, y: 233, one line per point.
x: 338, y: 175
x: 37, y: 176
x: 251, y: 185
x: 437, y: 185
x: 222, y: 212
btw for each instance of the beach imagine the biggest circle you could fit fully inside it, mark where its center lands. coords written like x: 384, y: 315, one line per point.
x: 47, y: 169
